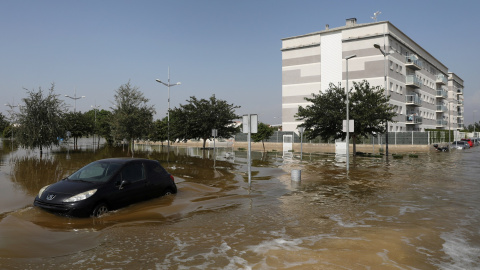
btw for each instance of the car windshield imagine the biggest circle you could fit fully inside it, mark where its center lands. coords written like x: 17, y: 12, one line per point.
x: 458, y: 142
x: 95, y: 172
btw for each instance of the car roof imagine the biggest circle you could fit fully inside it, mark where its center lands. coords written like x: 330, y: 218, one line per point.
x: 125, y: 160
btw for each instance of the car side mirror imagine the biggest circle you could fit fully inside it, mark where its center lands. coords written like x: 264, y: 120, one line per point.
x: 123, y: 183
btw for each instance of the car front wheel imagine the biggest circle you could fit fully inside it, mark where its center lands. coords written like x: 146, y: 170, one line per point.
x: 100, y: 210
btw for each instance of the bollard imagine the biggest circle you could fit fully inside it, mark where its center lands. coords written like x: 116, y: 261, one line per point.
x: 296, y: 175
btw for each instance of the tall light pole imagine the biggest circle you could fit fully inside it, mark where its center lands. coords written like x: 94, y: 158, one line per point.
x: 474, y: 111
x: 348, y: 120
x: 75, y: 98
x: 385, y: 54
x: 168, y: 113
x: 95, y: 107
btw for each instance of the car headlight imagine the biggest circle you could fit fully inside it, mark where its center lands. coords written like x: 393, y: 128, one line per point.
x: 81, y: 196
x: 42, y: 190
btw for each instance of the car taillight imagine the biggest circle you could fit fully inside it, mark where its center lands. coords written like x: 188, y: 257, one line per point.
x: 171, y: 177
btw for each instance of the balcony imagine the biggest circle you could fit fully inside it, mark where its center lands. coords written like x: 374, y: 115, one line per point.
x: 459, y: 91
x: 413, y: 62
x: 412, y: 80
x: 413, y: 119
x: 413, y: 100
x: 460, y: 103
x: 441, y: 108
x: 442, y: 123
x: 441, y: 93
x: 441, y: 79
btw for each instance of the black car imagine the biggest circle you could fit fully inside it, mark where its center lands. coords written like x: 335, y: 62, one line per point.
x: 105, y: 185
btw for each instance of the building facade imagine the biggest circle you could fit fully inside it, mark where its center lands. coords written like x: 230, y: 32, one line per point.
x: 424, y: 94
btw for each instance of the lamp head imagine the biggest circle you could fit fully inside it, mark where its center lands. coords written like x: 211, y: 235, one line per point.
x: 376, y: 46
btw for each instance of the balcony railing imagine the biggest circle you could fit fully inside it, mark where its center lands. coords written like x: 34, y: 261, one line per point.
x: 413, y: 100
x: 413, y: 119
x: 412, y: 80
x: 412, y: 62
x: 460, y: 102
x: 441, y: 79
x: 441, y: 108
x: 442, y: 123
x: 441, y: 93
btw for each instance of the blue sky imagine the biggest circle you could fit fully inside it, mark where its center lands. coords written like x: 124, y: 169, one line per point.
x: 227, y: 48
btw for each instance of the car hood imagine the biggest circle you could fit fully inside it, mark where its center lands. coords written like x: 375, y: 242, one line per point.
x: 67, y: 188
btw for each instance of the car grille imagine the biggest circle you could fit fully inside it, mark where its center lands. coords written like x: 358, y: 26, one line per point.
x: 52, y: 206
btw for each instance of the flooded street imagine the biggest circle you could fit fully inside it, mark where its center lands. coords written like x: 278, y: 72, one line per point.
x: 412, y: 213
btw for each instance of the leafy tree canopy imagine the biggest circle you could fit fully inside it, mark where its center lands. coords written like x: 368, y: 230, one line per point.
x: 368, y: 107
x: 196, y: 119
x: 159, y: 130
x: 264, y: 132
x: 41, y: 119
x: 3, y: 123
x: 132, y: 116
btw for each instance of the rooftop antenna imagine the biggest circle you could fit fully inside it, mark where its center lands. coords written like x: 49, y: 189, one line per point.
x: 375, y: 14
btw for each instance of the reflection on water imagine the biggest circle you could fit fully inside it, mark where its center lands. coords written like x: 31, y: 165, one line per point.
x: 410, y: 213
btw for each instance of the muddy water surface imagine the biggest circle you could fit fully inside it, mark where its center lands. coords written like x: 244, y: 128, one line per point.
x: 410, y: 213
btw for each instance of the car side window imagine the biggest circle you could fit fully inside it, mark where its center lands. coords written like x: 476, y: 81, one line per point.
x: 133, y: 172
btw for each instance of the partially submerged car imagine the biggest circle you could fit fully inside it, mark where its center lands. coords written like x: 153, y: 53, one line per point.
x: 460, y: 145
x: 106, y: 185
x: 469, y: 141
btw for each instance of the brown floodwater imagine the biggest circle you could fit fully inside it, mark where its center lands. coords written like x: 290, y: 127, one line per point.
x: 412, y: 213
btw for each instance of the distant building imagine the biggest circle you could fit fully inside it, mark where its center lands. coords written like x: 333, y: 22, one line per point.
x: 425, y: 95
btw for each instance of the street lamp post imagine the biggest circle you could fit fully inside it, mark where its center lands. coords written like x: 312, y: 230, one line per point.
x: 75, y: 99
x: 168, y: 113
x: 474, y: 111
x: 95, y: 107
x: 385, y: 54
x: 347, y: 103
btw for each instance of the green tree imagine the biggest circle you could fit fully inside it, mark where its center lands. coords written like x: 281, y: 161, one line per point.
x: 104, y: 125
x: 159, y: 130
x: 79, y: 125
x: 196, y: 119
x: 368, y: 107
x: 264, y: 132
x: 323, y: 118
x: 4, y: 123
x: 132, y: 117
x: 40, y: 120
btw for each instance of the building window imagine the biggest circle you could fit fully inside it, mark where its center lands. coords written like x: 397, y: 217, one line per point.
x: 401, y: 90
x: 391, y: 65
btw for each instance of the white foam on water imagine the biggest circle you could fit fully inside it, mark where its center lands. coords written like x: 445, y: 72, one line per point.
x: 460, y: 253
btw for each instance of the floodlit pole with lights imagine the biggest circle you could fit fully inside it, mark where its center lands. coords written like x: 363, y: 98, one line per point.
x: 385, y: 54
x: 75, y: 98
x: 168, y: 113
x: 347, y: 102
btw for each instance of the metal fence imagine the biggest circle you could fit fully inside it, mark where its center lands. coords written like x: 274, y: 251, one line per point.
x: 394, y: 138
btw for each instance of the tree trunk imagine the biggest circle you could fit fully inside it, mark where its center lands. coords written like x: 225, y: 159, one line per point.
x: 204, y: 142
x: 263, y: 143
x: 354, y: 137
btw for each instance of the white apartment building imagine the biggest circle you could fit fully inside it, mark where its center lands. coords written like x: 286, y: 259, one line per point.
x: 425, y: 95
